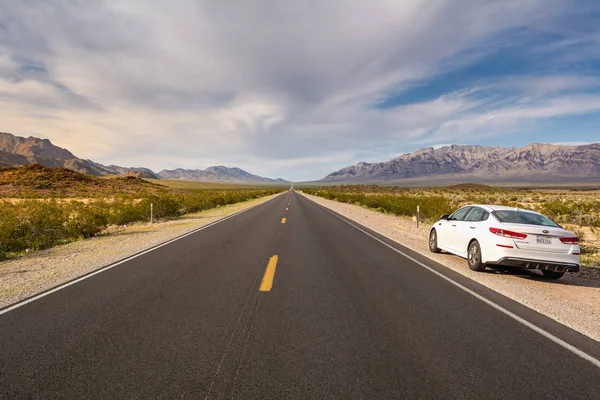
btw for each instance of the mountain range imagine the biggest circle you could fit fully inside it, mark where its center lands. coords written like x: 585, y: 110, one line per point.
x: 551, y: 163
x: 467, y: 163
x: 216, y: 174
x: 20, y: 151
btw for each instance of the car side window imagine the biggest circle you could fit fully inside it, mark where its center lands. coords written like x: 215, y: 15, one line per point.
x: 476, y: 214
x: 460, y: 214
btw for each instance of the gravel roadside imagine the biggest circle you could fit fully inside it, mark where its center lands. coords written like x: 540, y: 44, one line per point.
x: 33, y: 273
x: 573, y: 300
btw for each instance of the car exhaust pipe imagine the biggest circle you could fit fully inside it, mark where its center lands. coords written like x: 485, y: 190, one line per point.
x: 570, y: 269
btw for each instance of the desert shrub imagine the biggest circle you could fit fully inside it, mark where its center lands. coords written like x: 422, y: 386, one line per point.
x: 124, y: 212
x: 165, y: 206
x: 8, y: 226
x: 432, y: 206
x: 556, y: 208
x: 579, y: 212
x: 87, y: 220
x: 40, y: 224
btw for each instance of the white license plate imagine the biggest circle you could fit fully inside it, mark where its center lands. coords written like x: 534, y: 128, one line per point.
x: 544, y: 240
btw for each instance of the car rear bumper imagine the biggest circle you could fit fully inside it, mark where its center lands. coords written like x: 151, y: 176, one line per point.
x: 537, y: 264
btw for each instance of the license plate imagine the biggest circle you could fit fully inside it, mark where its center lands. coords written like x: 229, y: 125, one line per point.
x: 544, y: 240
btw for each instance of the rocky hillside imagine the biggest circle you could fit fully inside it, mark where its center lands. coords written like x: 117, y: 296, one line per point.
x: 16, y: 151
x: 216, y: 174
x: 138, y: 172
x: 19, y: 151
x: 536, y: 162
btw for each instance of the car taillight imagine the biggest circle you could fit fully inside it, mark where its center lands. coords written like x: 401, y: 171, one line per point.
x: 570, y: 240
x: 508, y: 234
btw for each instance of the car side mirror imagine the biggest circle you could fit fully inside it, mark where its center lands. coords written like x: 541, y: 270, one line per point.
x: 445, y: 217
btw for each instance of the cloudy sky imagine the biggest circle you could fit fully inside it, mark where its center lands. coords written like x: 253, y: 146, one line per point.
x: 296, y: 89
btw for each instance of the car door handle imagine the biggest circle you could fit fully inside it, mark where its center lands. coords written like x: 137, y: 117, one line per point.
x: 472, y: 227
x: 453, y: 225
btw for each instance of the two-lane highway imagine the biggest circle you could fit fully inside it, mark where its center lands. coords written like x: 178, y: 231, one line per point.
x: 287, y: 301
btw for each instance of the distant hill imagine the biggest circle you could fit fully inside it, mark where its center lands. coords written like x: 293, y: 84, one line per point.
x: 458, y: 163
x: 216, y: 174
x: 138, y: 172
x: 18, y: 151
x: 39, y: 181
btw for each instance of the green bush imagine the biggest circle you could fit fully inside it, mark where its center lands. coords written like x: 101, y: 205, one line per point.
x: 32, y: 225
x: 87, y: 220
x: 126, y: 211
x: 165, y: 206
x: 9, y: 223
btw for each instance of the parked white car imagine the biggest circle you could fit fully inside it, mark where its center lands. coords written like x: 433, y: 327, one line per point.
x: 487, y: 235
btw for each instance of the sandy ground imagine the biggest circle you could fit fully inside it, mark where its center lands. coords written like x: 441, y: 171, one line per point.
x: 31, y: 274
x: 573, y: 300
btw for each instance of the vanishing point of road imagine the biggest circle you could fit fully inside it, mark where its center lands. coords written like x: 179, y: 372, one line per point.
x: 287, y: 300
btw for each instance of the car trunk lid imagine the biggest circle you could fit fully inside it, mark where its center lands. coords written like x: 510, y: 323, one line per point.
x: 540, y: 238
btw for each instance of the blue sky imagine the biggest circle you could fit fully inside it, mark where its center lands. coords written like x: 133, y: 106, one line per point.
x: 296, y: 89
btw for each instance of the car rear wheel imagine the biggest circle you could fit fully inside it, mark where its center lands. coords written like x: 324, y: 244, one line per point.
x: 433, y: 247
x: 552, y: 274
x: 474, y: 257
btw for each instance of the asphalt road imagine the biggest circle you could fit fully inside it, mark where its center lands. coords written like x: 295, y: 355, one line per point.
x: 336, y: 315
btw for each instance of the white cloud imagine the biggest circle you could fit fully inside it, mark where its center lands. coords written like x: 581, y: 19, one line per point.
x: 267, y: 85
x: 513, y: 118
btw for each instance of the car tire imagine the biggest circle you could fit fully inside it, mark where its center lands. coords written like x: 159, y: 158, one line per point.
x: 433, y: 242
x: 552, y: 274
x: 474, y: 257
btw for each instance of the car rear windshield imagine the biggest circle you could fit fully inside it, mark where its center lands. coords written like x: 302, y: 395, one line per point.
x: 524, y: 217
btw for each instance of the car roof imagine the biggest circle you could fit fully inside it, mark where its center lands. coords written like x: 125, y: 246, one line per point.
x: 493, y: 207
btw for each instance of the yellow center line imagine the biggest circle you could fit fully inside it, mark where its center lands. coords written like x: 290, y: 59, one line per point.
x: 287, y: 208
x: 283, y: 220
x: 267, y: 281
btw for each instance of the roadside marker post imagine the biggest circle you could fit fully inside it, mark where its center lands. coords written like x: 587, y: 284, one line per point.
x: 418, y: 215
x: 151, y: 213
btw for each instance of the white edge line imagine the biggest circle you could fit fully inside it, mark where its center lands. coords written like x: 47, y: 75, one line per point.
x: 498, y: 307
x: 107, y: 267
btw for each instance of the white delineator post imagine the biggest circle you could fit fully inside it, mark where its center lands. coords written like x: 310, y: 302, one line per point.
x: 418, y: 215
x: 151, y: 213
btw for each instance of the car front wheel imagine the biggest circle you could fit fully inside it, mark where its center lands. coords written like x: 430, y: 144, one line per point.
x: 474, y: 257
x: 433, y: 247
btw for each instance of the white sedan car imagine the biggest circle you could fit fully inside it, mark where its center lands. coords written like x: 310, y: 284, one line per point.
x: 488, y: 235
